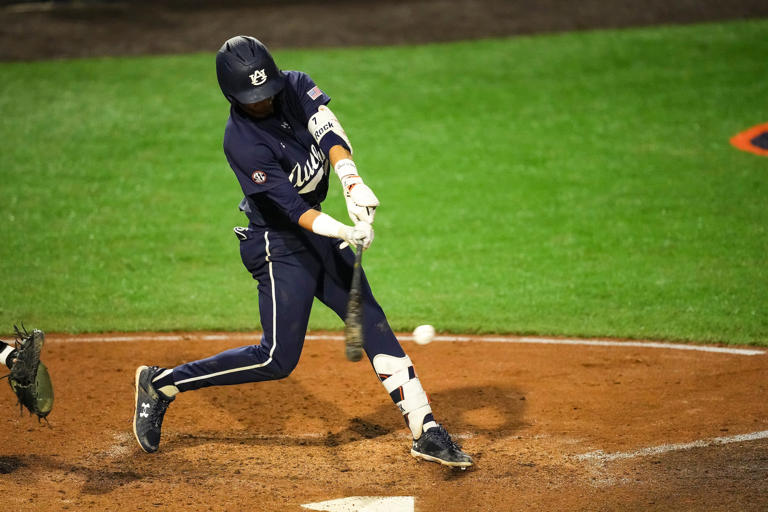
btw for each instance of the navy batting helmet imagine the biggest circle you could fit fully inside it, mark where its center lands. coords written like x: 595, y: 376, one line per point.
x: 247, y: 72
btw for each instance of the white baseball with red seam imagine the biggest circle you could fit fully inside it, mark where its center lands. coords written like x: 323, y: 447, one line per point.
x: 423, y: 334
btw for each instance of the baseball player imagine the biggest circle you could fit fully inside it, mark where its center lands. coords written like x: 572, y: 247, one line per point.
x: 283, y: 142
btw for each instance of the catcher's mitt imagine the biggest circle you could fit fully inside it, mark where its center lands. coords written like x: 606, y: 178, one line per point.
x: 29, y: 378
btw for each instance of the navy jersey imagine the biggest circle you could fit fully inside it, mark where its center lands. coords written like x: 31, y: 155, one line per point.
x: 281, y: 170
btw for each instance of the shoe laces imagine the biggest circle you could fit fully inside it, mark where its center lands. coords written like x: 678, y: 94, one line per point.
x: 158, y: 412
x: 441, y: 434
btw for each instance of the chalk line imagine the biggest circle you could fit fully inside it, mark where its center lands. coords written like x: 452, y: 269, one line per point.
x: 605, y: 343
x: 601, y: 456
x: 440, y: 338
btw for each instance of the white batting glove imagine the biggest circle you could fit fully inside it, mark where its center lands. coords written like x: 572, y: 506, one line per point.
x: 360, y: 233
x: 361, y: 202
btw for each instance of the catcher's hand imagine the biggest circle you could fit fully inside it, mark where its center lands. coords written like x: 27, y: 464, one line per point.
x: 29, y: 378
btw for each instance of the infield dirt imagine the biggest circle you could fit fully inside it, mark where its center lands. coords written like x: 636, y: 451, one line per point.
x: 528, y: 413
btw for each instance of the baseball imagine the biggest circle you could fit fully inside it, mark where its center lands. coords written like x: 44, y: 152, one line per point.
x: 423, y: 334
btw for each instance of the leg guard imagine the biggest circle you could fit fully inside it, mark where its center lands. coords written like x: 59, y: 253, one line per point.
x: 399, y: 379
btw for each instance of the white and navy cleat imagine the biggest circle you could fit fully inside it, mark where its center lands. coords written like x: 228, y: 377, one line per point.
x: 150, y: 409
x: 436, y: 445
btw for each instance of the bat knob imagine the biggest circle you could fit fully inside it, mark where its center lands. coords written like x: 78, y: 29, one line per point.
x: 354, y: 354
x: 354, y: 345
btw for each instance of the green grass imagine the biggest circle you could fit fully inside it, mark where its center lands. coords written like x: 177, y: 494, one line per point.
x: 578, y: 184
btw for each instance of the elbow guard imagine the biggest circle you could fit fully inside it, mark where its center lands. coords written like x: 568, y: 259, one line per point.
x: 327, y: 130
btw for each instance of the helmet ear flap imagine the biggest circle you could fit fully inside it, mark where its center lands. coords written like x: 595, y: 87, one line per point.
x: 246, y: 71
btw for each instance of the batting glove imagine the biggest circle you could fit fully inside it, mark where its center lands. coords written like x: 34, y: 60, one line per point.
x: 361, y: 202
x: 360, y: 233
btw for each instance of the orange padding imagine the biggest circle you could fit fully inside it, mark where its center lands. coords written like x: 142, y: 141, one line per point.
x: 743, y: 140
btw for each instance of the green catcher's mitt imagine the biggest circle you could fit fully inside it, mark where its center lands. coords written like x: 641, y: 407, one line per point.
x: 29, y: 378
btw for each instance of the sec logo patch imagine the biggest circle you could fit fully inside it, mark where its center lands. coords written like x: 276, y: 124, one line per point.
x: 259, y: 177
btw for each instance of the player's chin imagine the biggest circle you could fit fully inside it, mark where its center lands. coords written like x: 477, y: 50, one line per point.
x: 262, y: 114
x: 259, y: 110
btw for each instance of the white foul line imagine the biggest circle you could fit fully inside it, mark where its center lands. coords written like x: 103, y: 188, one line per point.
x: 601, y: 456
x: 441, y: 338
x: 605, y: 343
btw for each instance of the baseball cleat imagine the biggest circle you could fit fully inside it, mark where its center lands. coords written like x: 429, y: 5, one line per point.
x: 436, y: 445
x: 150, y: 410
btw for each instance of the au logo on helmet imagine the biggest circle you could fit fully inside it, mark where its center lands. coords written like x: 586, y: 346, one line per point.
x: 258, y: 77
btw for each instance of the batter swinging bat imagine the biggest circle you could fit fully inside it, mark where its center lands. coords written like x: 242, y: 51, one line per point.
x: 353, y: 330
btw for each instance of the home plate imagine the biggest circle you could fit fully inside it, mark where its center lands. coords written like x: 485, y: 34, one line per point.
x: 365, y: 504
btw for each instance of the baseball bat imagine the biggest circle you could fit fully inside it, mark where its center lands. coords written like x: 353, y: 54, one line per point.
x: 353, y: 328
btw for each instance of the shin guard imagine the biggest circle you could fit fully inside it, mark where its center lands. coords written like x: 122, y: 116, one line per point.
x: 400, y: 380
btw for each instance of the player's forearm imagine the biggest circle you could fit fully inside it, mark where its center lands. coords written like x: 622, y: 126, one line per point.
x: 322, y: 224
x: 325, y: 225
x: 337, y: 154
x: 307, y: 218
x: 346, y: 170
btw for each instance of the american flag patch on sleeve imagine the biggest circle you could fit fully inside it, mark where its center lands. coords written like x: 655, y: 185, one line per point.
x: 314, y: 92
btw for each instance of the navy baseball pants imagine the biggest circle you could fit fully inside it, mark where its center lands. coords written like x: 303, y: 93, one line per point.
x: 292, y: 267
